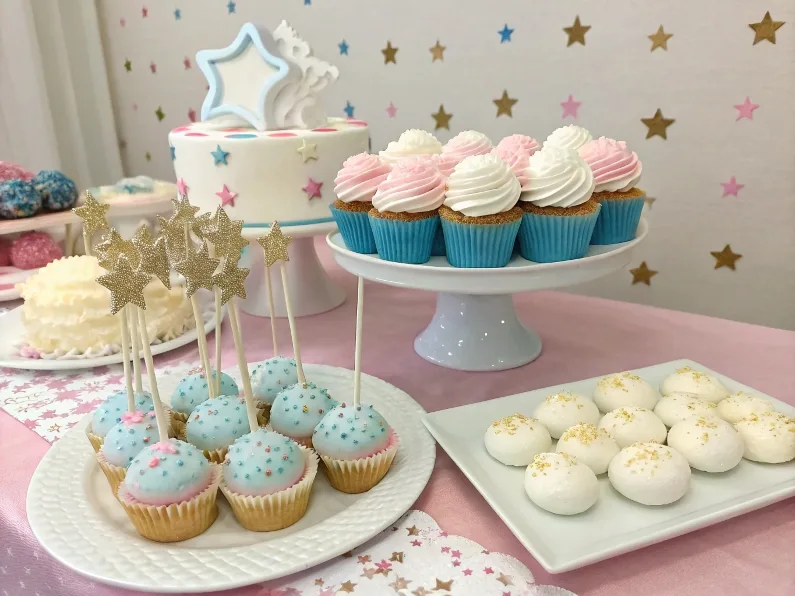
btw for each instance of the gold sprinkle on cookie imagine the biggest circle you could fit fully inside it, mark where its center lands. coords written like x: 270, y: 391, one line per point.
x: 584, y: 433
x: 510, y: 424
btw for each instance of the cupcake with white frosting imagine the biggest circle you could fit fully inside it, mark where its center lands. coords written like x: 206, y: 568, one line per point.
x: 570, y: 137
x: 616, y: 172
x: 479, y: 216
x: 412, y: 142
x: 559, y: 214
x: 405, y: 213
x: 466, y: 144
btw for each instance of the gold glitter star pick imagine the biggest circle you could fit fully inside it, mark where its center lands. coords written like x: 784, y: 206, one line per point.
x: 93, y: 213
x: 154, y: 260
x: 125, y: 284
x: 202, y: 225
x: 174, y: 233
x: 231, y: 280
x: 112, y: 247
x: 274, y: 243
x: 183, y: 210
x: 197, y: 268
x: 226, y: 236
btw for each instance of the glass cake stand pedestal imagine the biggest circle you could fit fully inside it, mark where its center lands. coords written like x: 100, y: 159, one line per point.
x: 475, y: 327
x: 311, y: 289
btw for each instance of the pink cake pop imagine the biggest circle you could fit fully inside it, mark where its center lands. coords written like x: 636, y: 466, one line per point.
x: 5, y: 252
x: 12, y: 171
x: 33, y: 250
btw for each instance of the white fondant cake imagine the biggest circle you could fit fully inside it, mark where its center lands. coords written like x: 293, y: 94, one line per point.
x: 262, y: 176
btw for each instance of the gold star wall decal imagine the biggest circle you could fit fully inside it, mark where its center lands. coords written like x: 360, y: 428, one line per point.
x: 389, y: 53
x: 657, y: 125
x: 125, y: 284
x: 576, y: 32
x: 226, y: 236
x: 442, y: 118
x: 660, y: 39
x: 308, y: 150
x: 275, y: 244
x: 649, y: 201
x: 765, y: 30
x: 232, y: 281
x: 347, y: 587
x: 183, y: 210
x: 726, y: 258
x: 197, y: 268
x: 413, y: 531
x: 642, y: 274
x: 397, y: 557
x: 505, y: 104
x: 437, y: 52
x: 112, y: 247
x: 174, y: 233
x: 93, y: 213
x: 400, y: 583
x: 440, y: 585
x: 154, y: 260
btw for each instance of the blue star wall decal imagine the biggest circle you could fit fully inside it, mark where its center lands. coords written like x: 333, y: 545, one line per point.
x: 348, y: 109
x: 505, y: 34
x: 233, y: 74
x: 219, y: 155
x: 177, y: 14
x: 230, y: 7
x: 173, y: 151
x: 343, y: 46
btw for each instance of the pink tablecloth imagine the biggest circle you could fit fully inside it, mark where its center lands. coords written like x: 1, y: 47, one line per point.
x: 583, y: 337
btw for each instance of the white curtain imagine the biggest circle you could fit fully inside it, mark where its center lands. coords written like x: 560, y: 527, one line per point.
x: 55, y: 105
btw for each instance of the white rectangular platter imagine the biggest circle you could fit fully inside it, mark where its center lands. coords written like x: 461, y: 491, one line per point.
x: 614, y: 525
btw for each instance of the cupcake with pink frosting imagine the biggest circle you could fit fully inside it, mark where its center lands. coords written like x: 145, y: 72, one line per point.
x: 445, y: 163
x: 355, y: 186
x: 466, y: 144
x: 616, y: 171
x: 516, y: 150
x: 405, y: 213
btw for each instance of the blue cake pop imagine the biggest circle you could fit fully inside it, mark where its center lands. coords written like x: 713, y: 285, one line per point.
x: 298, y: 410
x: 217, y: 422
x: 272, y: 376
x: 350, y: 432
x: 129, y: 437
x: 18, y: 199
x: 58, y: 192
x: 192, y: 390
x: 263, y: 463
x: 109, y: 413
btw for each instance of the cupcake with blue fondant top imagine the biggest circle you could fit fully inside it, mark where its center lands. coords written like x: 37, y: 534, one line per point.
x: 169, y: 491
x: 357, y: 447
x: 217, y: 423
x: 192, y: 390
x: 267, y: 478
x: 269, y: 378
x: 298, y: 409
x: 123, y: 442
x: 110, y: 412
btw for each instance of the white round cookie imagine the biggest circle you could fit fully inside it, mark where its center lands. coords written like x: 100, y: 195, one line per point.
x: 650, y: 474
x: 592, y: 446
x: 678, y: 406
x: 769, y: 437
x: 741, y: 405
x: 624, y: 389
x: 633, y: 425
x: 708, y: 443
x: 701, y: 384
x: 560, y: 484
x: 563, y: 410
x: 515, y: 440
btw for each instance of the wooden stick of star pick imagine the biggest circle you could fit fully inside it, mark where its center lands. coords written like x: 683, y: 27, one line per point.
x: 160, y: 413
x: 125, y: 357
x: 357, y: 358
x: 293, y: 332
x: 217, y: 297
x: 269, y: 291
x: 136, y: 350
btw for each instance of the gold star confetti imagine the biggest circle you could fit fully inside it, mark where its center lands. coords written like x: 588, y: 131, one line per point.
x: 364, y: 559
x: 226, y: 236
x: 726, y: 258
x: 649, y: 201
x: 442, y: 118
x: 397, y: 557
x: 660, y: 39
x: 505, y: 580
x: 642, y: 274
x: 657, y: 125
x: 319, y: 581
x: 389, y: 53
x: 197, y: 268
x: 183, y: 210
x: 308, y: 151
x: 112, y: 247
x: 92, y: 212
x: 154, y: 259
x: 440, y: 585
x: 413, y: 531
x: 174, y: 233
x: 421, y: 591
x: 400, y: 583
x: 125, y: 284
x: 437, y: 52
x: 505, y: 104
x: 369, y: 572
x: 274, y: 243
x: 766, y: 29
x: 232, y: 281
x: 347, y: 587
x: 576, y: 32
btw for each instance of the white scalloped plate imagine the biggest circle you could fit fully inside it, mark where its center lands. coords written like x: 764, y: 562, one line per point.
x: 75, y: 517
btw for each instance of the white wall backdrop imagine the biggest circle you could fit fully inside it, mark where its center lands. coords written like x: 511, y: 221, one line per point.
x: 710, y: 65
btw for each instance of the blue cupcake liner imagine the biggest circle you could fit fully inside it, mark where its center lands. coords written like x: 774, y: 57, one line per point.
x: 479, y: 245
x: 438, y: 249
x: 553, y: 238
x: 618, y: 220
x: 404, y: 241
x: 355, y: 229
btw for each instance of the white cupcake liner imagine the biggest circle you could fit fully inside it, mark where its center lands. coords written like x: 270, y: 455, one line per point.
x: 360, y: 475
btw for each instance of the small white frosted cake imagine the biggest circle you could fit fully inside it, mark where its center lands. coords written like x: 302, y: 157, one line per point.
x: 624, y: 389
x: 769, y: 437
x: 741, y: 405
x: 677, y: 406
x: 633, y: 425
x: 592, y: 446
x: 560, y: 484
x: 515, y: 440
x: 563, y: 410
x: 708, y: 443
x: 650, y: 474
x: 701, y: 384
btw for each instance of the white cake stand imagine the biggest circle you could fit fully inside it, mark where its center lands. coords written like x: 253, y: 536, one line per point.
x: 311, y: 289
x: 475, y: 327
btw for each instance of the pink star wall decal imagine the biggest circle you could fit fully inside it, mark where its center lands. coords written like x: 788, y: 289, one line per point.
x: 391, y: 110
x: 745, y: 109
x: 144, y: 12
x: 122, y: 21
x: 186, y: 62
x: 192, y: 115
x: 182, y: 188
x: 732, y: 187
x: 570, y: 107
x: 227, y: 196
x: 153, y: 67
x: 312, y: 189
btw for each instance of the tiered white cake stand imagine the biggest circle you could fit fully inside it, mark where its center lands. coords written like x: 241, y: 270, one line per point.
x: 475, y: 327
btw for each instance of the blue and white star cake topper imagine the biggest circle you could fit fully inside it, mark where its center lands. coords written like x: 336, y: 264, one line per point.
x: 245, y: 78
